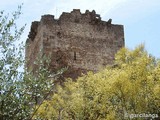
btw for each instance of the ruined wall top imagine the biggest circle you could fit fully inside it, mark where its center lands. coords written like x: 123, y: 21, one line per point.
x: 75, y: 16
x: 78, y: 17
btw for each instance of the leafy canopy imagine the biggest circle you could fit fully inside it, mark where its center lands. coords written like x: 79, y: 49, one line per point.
x: 20, y: 90
x: 131, y: 86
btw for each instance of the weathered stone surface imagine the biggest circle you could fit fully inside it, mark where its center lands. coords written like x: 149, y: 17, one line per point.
x: 81, y: 41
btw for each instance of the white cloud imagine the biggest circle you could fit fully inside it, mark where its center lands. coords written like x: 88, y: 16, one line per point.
x: 101, y: 6
x: 134, y: 10
x: 119, y: 8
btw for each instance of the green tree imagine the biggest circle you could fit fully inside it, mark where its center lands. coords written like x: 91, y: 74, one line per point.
x: 20, y: 90
x: 130, y: 86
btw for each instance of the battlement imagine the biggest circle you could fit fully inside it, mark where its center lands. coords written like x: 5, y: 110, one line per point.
x: 74, y: 16
x: 34, y: 30
x: 78, y: 17
x: 81, y: 41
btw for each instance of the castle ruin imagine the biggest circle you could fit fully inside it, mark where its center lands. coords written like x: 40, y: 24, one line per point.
x: 81, y: 41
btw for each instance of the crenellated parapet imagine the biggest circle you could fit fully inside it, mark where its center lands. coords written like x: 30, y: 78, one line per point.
x: 78, y: 17
x: 34, y: 30
x: 74, y: 16
x: 47, y: 19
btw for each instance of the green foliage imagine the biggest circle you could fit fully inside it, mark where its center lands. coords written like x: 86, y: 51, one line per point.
x: 10, y: 61
x: 19, y: 91
x: 131, y: 86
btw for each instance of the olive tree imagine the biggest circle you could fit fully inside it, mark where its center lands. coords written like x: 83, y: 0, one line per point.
x: 20, y: 90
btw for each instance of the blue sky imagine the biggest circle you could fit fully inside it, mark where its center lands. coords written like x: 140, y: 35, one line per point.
x: 141, y: 18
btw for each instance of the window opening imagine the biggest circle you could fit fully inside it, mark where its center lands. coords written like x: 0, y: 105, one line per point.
x: 74, y: 55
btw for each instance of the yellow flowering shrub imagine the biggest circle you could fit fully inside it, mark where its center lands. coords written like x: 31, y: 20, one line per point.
x: 130, y: 86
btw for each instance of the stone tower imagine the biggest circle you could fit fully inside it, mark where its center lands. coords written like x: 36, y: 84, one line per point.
x: 81, y: 41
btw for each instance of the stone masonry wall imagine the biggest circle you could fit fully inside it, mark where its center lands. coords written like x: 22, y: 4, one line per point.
x: 81, y: 41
